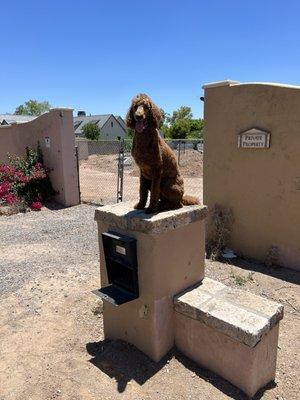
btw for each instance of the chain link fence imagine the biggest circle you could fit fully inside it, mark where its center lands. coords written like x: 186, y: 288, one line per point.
x: 108, y: 173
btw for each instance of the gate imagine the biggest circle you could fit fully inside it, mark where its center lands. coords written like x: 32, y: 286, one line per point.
x: 108, y: 173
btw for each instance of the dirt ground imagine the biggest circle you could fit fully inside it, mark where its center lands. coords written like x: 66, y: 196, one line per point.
x: 98, y: 177
x: 51, y: 328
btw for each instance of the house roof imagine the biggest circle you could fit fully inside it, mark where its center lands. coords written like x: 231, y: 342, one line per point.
x: 82, y: 120
x: 99, y: 120
x: 121, y: 122
x: 8, y: 119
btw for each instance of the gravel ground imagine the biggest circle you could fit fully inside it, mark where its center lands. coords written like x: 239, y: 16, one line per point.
x: 55, y: 240
x: 51, y: 328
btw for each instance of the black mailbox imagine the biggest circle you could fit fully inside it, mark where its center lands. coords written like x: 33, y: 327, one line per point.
x: 121, y: 266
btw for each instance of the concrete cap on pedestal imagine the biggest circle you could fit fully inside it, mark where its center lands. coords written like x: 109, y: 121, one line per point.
x: 241, y: 315
x: 123, y: 216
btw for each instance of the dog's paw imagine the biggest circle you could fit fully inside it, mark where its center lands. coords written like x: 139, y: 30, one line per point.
x: 139, y: 206
x: 151, y: 210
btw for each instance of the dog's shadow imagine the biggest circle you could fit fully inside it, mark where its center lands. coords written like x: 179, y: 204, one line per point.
x: 123, y: 362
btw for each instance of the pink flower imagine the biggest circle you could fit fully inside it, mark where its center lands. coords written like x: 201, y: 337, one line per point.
x: 9, y: 198
x: 4, y: 188
x: 25, y: 179
x: 38, y: 165
x: 20, y: 177
x: 36, y: 206
x: 38, y: 175
x: 5, y: 169
x: 7, y: 172
x: 37, y: 172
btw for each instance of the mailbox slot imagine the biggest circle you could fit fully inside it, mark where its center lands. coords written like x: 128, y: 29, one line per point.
x: 121, y: 267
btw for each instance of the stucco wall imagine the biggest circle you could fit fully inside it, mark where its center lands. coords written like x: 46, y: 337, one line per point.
x: 83, y: 148
x: 262, y: 186
x: 57, y: 124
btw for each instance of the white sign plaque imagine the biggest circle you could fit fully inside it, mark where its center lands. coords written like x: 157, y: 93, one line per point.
x: 121, y: 250
x: 254, y: 139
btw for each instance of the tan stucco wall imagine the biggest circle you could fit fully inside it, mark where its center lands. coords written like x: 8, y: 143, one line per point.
x: 60, y: 158
x: 83, y: 148
x: 262, y: 186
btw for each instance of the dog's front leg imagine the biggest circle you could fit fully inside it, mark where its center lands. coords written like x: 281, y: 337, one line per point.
x: 154, y: 192
x: 144, y: 187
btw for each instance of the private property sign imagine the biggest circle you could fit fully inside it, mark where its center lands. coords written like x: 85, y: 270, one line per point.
x: 254, y: 139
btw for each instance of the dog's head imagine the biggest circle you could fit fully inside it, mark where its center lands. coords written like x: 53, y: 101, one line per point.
x: 143, y: 113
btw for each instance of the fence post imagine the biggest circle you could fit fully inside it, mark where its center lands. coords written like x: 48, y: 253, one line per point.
x: 179, y: 149
x: 120, y: 171
x: 77, y: 165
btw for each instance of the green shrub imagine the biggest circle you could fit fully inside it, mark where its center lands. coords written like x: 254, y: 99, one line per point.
x: 180, y: 130
x: 91, y: 131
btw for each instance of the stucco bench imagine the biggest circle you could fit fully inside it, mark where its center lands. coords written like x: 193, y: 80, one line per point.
x: 229, y: 331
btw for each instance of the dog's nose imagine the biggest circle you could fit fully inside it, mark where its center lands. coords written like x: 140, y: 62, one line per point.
x: 138, y: 117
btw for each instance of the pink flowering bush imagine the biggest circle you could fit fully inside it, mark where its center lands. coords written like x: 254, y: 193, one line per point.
x: 36, y: 206
x: 4, y: 188
x: 25, y: 180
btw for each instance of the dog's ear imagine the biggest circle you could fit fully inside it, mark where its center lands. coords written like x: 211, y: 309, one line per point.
x: 155, y: 115
x: 130, y: 122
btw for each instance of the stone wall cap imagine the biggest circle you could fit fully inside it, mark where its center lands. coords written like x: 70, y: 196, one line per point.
x: 227, y: 82
x: 123, y: 216
x: 238, y: 314
x: 274, y: 84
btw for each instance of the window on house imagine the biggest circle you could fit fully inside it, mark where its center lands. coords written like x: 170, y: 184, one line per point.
x: 112, y: 124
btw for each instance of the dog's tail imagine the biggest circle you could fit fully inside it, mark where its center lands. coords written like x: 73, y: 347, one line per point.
x: 190, y: 200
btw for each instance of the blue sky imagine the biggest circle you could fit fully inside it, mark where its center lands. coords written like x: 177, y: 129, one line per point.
x: 95, y: 55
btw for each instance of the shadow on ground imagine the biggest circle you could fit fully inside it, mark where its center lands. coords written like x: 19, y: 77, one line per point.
x: 285, y: 274
x: 124, y: 362
x: 54, y: 206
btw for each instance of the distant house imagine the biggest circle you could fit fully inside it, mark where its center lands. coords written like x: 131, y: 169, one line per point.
x: 111, y: 127
x: 121, y: 121
x: 10, y: 119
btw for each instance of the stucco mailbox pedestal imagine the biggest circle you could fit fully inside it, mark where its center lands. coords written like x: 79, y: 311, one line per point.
x: 170, y: 258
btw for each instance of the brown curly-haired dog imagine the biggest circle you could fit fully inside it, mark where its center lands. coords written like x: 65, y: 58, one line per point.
x: 157, y: 162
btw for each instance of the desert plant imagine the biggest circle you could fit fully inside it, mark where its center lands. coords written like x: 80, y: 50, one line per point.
x: 220, y: 225
x: 241, y: 280
x: 272, y: 257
